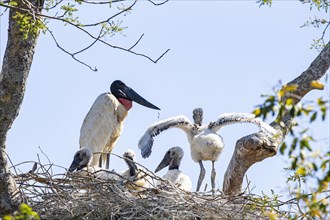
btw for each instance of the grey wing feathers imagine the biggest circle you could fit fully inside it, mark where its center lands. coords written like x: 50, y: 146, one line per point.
x: 231, y: 118
x: 147, y: 140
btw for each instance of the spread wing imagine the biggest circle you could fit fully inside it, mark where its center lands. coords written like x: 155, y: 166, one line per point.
x: 232, y: 118
x: 147, y: 140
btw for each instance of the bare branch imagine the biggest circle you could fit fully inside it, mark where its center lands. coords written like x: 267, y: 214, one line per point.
x: 113, y: 16
x: 95, y: 38
x: 136, y: 42
x: 71, y: 54
x: 158, y: 4
x: 3, y: 11
x: 55, y: 5
x: 101, y: 2
x: 325, y: 29
x: 89, y: 46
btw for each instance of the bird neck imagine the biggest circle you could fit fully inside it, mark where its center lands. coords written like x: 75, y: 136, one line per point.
x: 121, y: 112
x: 126, y: 103
x: 173, y: 167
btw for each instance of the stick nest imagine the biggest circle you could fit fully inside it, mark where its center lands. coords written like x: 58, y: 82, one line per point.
x: 72, y: 196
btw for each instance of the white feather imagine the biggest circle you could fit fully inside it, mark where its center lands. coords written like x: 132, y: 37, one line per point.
x: 102, y: 125
x: 233, y: 118
x: 146, y: 141
x: 179, y: 179
x: 97, y: 172
x: 142, y: 179
x: 205, y: 142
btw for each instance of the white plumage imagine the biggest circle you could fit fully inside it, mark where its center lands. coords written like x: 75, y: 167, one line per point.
x: 103, y: 123
x: 140, y: 177
x: 178, y: 178
x: 205, y: 142
x: 172, y: 159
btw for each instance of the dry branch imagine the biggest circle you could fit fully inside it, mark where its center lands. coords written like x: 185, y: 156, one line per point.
x: 70, y: 196
x: 257, y: 147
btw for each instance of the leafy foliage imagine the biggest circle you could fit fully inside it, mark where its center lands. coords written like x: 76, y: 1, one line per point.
x: 24, y: 212
x: 29, y: 25
x: 310, y: 167
x: 265, y: 2
x: 320, y: 5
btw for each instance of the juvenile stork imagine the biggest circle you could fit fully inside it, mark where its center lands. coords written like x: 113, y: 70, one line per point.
x: 81, y: 164
x: 172, y: 159
x: 104, y: 122
x: 141, y: 177
x: 205, y: 142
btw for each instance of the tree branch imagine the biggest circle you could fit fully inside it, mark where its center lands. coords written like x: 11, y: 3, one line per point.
x: 73, y: 54
x: 257, y: 147
x: 82, y: 27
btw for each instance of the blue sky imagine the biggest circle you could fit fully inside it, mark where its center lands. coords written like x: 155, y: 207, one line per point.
x: 223, y: 55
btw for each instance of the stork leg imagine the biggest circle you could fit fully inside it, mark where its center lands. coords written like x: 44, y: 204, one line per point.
x: 107, y: 161
x: 100, y: 160
x: 201, y: 175
x: 213, y: 174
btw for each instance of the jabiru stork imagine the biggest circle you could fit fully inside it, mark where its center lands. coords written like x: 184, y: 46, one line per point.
x: 81, y: 165
x: 205, y: 142
x: 103, y: 123
x: 172, y: 159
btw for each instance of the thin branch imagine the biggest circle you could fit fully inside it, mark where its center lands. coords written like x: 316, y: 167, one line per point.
x: 158, y: 4
x: 71, y: 54
x: 3, y: 11
x: 55, y: 5
x: 326, y: 27
x: 80, y: 27
x: 113, y: 16
x: 101, y: 2
x: 89, y: 46
x: 136, y: 42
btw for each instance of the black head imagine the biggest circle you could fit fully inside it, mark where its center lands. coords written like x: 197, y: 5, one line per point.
x: 121, y: 91
x: 198, y: 116
x: 81, y: 159
x: 117, y: 88
x: 172, y: 159
x: 129, y: 157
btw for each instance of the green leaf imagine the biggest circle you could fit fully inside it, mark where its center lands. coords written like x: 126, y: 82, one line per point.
x: 292, y: 112
x: 294, y: 163
x: 320, y: 101
x: 304, y: 143
x: 324, y: 164
x: 304, y: 131
x: 294, y: 143
x: 283, y: 147
x: 257, y: 112
x: 301, y: 171
x: 324, y: 111
x: 306, y: 111
x: 315, y: 168
x: 313, y: 117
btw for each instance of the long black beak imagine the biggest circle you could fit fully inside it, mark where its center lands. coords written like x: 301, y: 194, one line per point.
x: 131, y: 165
x: 131, y: 94
x: 75, y: 164
x: 164, y: 163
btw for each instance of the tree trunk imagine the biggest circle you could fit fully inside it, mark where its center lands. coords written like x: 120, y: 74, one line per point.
x: 257, y: 147
x: 15, y: 70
